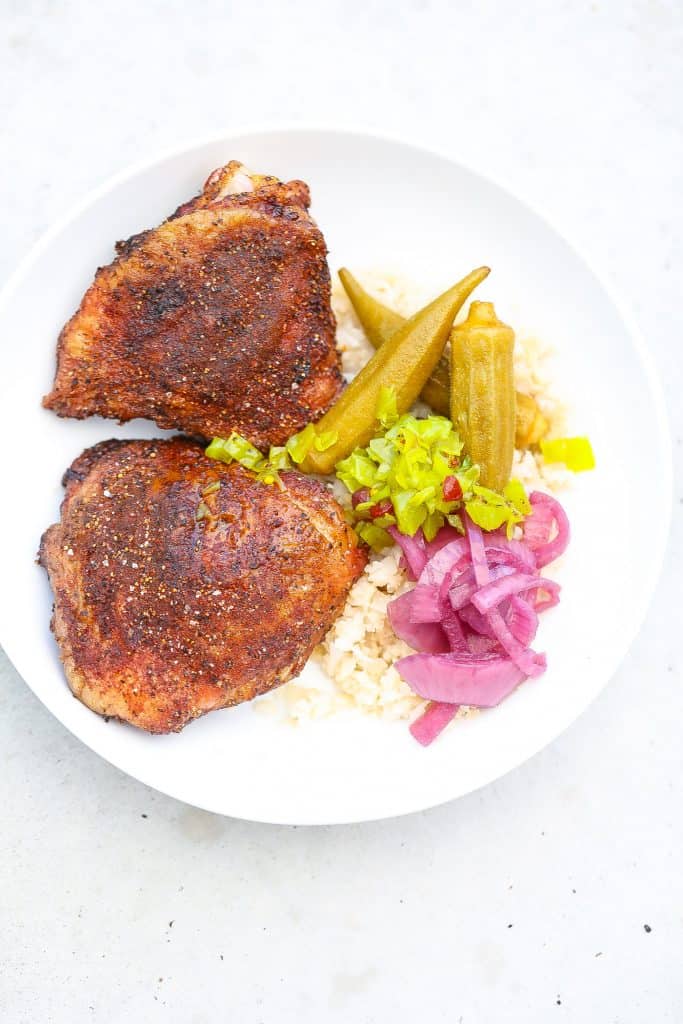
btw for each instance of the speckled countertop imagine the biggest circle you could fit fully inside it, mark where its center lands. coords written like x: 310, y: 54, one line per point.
x: 553, y: 895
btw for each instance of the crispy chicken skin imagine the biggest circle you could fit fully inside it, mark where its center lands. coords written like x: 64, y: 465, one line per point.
x: 173, y: 596
x: 217, y: 320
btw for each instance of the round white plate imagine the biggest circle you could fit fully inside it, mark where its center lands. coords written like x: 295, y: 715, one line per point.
x: 380, y: 204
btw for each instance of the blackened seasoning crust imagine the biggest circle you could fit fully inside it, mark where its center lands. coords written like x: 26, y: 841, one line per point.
x: 164, y: 612
x: 217, y: 320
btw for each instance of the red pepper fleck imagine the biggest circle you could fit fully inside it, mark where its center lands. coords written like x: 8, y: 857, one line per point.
x: 382, y: 508
x: 359, y: 496
x: 452, y: 491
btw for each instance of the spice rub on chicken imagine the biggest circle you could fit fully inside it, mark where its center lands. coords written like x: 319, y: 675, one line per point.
x: 182, y: 584
x: 217, y: 320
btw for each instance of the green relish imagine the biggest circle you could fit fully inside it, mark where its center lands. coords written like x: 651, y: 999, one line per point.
x: 281, y: 457
x: 405, y: 475
x: 408, y: 465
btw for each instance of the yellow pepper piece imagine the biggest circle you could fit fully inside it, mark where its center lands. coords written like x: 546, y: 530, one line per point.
x: 379, y: 322
x: 482, y: 392
x: 575, y: 452
x: 403, y: 363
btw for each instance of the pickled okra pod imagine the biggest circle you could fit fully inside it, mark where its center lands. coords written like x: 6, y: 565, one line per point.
x: 403, y: 363
x: 482, y: 392
x: 379, y: 322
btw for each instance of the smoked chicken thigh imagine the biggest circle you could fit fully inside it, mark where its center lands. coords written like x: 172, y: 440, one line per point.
x: 217, y: 320
x: 182, y: 585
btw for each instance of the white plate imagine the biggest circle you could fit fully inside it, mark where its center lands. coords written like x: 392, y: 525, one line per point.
x: 380, y: 204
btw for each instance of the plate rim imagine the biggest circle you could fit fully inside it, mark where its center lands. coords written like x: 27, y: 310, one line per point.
x: 647, y: 361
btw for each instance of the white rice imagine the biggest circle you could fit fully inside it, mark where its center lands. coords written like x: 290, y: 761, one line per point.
x: 358, y: 654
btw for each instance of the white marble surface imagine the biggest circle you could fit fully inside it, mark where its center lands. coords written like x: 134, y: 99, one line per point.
x: 524, y: 902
